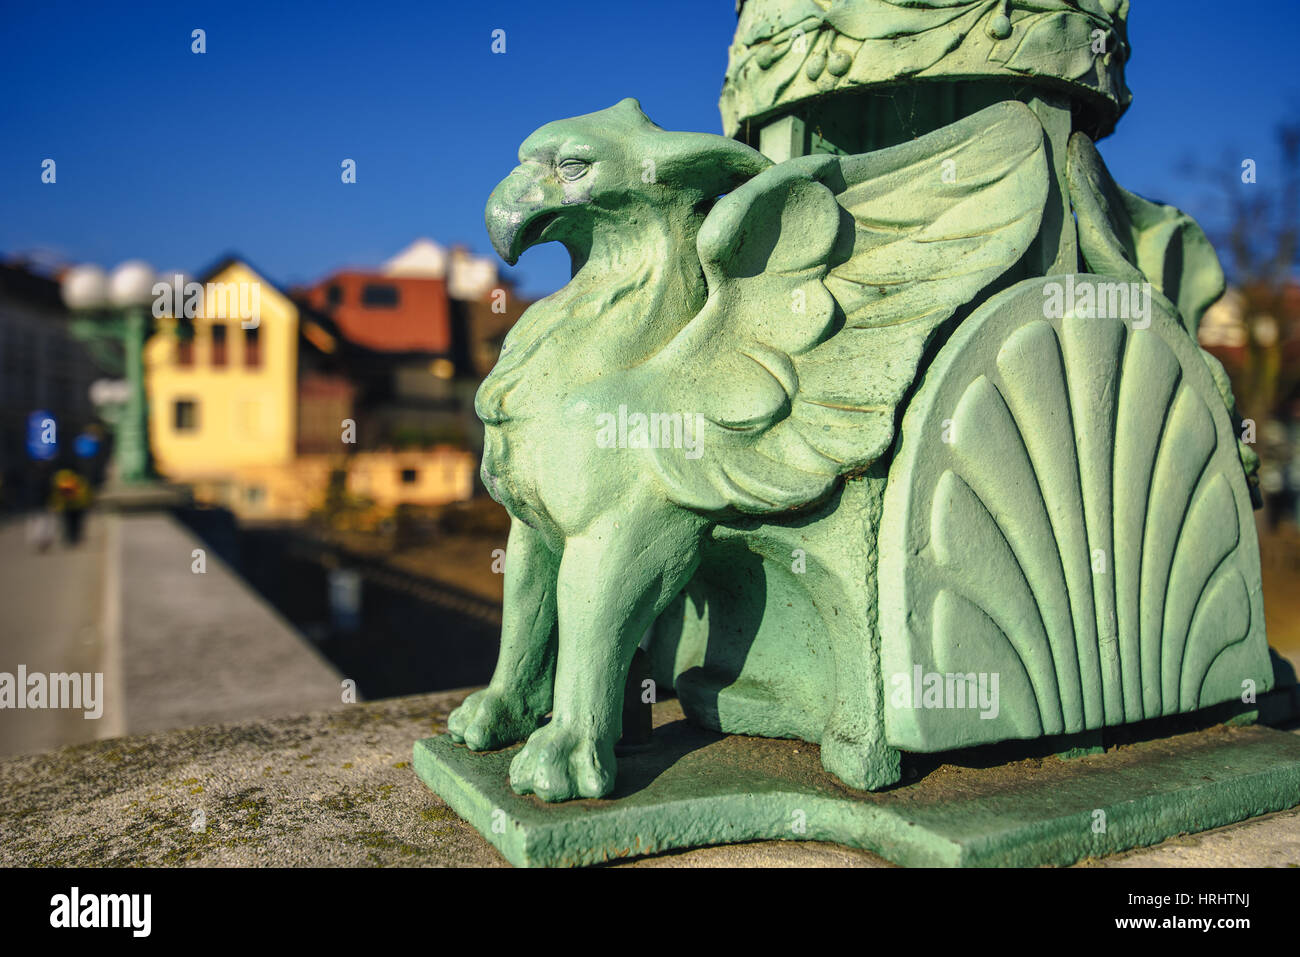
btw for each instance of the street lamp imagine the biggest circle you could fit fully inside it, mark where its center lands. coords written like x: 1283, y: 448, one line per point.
x: 85, y: 288
x: 115, y: 313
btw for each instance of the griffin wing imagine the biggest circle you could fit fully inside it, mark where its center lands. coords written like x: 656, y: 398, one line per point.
x: 827, y: 276
x: 1121, y: 234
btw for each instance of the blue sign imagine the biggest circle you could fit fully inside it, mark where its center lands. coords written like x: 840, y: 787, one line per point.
x: 86, y: 445
x: 42, y: 436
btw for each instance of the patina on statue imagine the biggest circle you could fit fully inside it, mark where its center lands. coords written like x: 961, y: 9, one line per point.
x: 814, y: 431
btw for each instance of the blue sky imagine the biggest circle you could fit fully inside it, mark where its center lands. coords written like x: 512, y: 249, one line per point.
x: 178, y: 158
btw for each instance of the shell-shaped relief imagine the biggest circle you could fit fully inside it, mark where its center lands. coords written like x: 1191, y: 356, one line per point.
x: 1067, y: 541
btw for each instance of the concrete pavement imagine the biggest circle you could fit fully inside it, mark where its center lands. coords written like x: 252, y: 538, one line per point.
x: 203, y: 647
x: 50, y: 606
x: 175, y: 647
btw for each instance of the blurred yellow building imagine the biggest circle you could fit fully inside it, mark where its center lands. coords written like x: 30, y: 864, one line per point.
x: 227, y: 395
x: 226, y: 398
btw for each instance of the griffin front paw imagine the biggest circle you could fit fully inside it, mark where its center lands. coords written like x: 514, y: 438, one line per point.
x: 558, y: 764
x: 486, y: 720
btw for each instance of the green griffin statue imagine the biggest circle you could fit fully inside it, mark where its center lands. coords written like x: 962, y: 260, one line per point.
x: 901, y: 442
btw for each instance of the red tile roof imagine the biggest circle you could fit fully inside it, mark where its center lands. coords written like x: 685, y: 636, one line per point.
x: 418, y: 321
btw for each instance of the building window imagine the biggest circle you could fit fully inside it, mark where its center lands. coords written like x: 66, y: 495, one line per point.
x: 185, y: 352
x: 186, y: 415
x: 380, y: 295
x: 219, y: 344
x: 253, y: 348
x: 409, y: 476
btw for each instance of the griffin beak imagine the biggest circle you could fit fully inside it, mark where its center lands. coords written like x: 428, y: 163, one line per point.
x: 518, y: 214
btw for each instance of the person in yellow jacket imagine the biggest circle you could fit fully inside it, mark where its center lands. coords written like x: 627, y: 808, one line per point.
x: 70, y: 498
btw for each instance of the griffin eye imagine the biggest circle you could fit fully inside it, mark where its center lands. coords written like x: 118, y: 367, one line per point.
x: 571, y: 169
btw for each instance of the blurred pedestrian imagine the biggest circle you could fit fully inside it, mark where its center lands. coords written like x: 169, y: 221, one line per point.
x: 70, y: 499
x: 40, y: 530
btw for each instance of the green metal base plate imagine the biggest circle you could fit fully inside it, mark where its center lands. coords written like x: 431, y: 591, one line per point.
x: 981, y: 807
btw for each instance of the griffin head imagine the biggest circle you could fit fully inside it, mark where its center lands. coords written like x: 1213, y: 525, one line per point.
x: 578, y: 176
